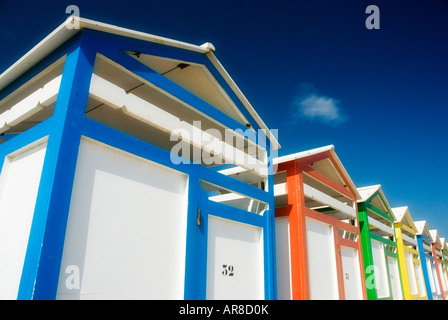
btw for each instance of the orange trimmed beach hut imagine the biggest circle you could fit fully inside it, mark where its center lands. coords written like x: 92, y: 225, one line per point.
x: 317, y: 228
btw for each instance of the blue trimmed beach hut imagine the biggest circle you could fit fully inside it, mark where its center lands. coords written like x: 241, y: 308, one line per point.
x: 429, y: 267
x: 132, y: 167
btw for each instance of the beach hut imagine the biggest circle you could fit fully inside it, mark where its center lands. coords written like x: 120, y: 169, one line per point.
x: 444, y: 273
x: 379, y: 247
x: 408, y: 255
x: 438, y: 259
x: 317, y: 229
x: 427, y: 257
x: 113, y: 143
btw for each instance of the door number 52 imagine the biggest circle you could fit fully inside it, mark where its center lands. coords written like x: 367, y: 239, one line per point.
x: 227, y: 270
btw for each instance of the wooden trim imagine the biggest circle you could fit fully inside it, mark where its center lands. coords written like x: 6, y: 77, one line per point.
x: 306, y: 161
x: 377, y: 224
x: 325, y: 199
x: 376, y: 237
x: 328, y: 182
x: 299, y: 255
x: 409, y: 239
x: 379, y: 212
x: 407, y: 228
x: 340, y: 173
x: 339, y: 269
x: 436, y: 260
x: 361, y: 255
x: 329, y: 220
x: 361, y: 268
x: 346, y: 242
x: 283, y: 211
x: 411, y: 250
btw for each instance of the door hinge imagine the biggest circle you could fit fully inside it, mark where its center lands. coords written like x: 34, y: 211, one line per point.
x: 199, y: 217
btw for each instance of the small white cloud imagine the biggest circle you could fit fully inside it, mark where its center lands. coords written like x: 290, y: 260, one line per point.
x: 320, y: 108
x: 315, y: 107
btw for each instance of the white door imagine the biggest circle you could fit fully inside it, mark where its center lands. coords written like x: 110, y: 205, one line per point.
x: 444, y: 277
x: 394, y: 277
x: 444, y: 282
x: 436, y: 279
x: 322, y: 272
x: 429, y: 267
x: 380, y: 269
x: 19, y: 185
x: 411, y: 273
x: 420, y: 281
x: 234, y: 260
x: 351, y: 273
x: 126, y: 228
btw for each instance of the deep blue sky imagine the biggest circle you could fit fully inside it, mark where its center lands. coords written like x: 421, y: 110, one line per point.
x: 380, y: 96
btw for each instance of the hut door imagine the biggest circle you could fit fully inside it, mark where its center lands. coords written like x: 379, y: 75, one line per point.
x: 235, y: 268
x: 394, y: 278
x: 436, y: 280
x: 379, y: 260
x: 351, y: 273
x: 126, y: 228
x: 323, y: 280
x: 444, y: 279
x: 432, y: 279
x: 411, y: 273
x: 420, y: 283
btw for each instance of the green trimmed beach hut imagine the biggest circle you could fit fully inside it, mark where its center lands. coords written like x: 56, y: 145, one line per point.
x: 376, y: 218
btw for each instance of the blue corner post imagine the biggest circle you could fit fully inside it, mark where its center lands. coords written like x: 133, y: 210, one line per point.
x: 41, y: 267
x: 269, y: 233
x: 195, y: 263
x: 423, y: 265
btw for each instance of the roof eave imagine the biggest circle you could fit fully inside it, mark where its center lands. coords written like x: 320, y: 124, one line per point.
x: 346, y: 175
x: 65, y: 31
x: 377, y: 188
x: 330, y: 149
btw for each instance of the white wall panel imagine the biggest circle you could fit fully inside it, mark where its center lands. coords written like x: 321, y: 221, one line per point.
x: 126, y: 228
x: 19, y: 184
x: 282, y: 242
